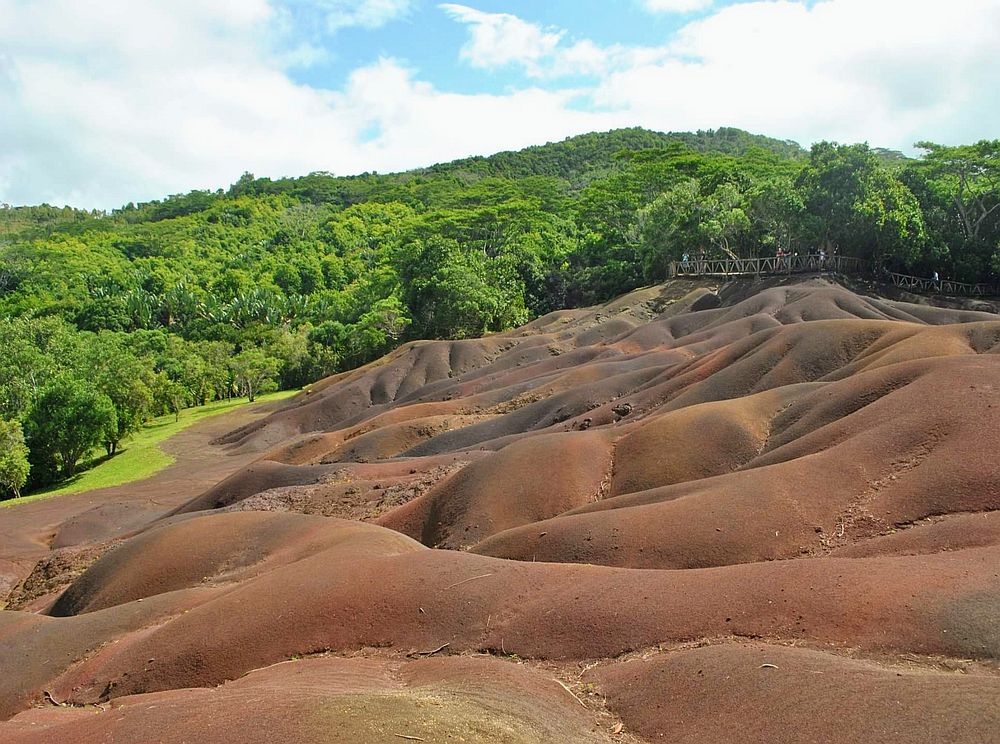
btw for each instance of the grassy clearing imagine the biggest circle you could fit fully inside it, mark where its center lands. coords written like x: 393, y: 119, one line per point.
x: 141, y: 456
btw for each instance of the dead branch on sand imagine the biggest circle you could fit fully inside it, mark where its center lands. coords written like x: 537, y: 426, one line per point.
x: 465, y: 581
x: 415, y: 654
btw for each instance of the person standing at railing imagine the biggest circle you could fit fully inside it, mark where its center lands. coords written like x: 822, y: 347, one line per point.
x: 822, y: 259
x: 684, y: 260
x: 781, y: 259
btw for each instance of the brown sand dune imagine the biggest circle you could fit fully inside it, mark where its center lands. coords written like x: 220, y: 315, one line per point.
x: 760, y: 693
x: 791, y: 485
x: 29, y: 531
x: 618, y: 496
x: 930, y: 535
x: 500, y: 492
x: 941, y: 604
x: 218, y: 549
x: 345, y: 701
x: 258, y: 477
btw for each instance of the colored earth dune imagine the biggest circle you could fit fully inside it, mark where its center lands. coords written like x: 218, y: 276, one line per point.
x: 766, y: 512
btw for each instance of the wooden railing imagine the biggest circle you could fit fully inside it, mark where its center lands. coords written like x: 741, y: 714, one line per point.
x: 796, y: 264
x: 943, y: 286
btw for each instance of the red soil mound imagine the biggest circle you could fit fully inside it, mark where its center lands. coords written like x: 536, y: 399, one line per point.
x: 665, y: 475
x: 761, y: 693
x: 335, y: 700
x: 346, y: 600
x: 523, y: 483
x: 846, y: 461
x: 219, y: 549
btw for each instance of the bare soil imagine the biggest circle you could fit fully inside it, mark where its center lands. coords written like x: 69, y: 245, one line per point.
x: 755, y: 512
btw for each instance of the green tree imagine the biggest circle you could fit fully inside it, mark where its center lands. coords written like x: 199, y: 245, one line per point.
x: 610, y: 239
x: 670, y: 228
x: 376, y: 331
x: 970, y: 176
x: 326, y: 348
x: 456, y: 293
x: 125, y: 378
x: 68, y: 420
x: 169, y: 396
x: 254, y: 372
x: 724, y: 218
x: 683, y: 220
x: 776, y: 213
x: 858, y: 206
x: 889, y: 220
x: 34, y: 350
x: 14, y: 466
x: 959, y: 193
x: 217, y: 377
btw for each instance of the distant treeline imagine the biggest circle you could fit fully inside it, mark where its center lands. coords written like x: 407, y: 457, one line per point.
x: 279, y: 282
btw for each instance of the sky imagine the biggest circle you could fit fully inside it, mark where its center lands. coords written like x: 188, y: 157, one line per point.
x: 110, y: 101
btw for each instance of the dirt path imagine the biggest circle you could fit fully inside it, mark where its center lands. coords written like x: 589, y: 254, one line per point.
x: 29, y: 531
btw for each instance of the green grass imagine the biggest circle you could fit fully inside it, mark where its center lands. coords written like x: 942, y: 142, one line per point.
x: 141, y: 456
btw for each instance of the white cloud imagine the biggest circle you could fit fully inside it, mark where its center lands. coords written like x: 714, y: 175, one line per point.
x: 584, y: 57
x: 420, y: 125
x: 675, y: 6
x: 845, y: 69
x: 97, y: 111
x: 499, y: 39
x: 363, y: 13
x: 303, y: 55
x: 144, y: 98
x: 333, y: 15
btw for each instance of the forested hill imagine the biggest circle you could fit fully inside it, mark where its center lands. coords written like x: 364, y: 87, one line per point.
x: 576, y: 160
x: 279, y: 282
x: 579, y: 160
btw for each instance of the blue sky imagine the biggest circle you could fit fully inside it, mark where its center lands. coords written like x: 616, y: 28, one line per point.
x: 111, y: 101
x: 427, y: 36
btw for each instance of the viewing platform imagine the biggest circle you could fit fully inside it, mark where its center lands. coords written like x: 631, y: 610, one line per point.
x: 846, y: 265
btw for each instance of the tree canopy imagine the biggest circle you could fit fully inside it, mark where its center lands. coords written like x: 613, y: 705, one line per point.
x: 14, y: 466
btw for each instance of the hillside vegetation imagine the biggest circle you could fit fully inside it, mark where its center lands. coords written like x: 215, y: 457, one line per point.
x: 107, y: 319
